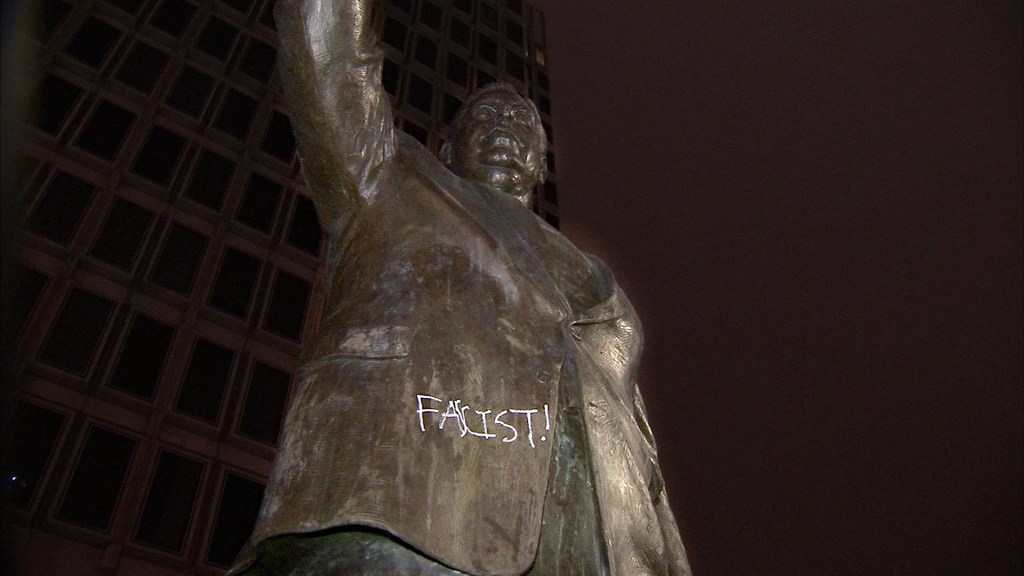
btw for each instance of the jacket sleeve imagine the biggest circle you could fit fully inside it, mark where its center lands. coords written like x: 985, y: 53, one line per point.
x: 330, y: 67
x: 675, y: 554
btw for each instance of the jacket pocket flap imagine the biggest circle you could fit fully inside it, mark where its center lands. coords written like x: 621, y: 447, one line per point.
x: 376, y: 342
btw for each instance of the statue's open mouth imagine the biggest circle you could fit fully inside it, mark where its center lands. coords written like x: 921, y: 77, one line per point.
x: 500, y: 158
x: 502, y: 149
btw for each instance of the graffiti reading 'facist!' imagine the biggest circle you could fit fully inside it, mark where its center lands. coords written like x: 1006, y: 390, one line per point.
x: 507, y: 426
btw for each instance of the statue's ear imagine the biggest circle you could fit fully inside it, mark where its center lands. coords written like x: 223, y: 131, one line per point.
x: 445, y: 154
x: 542, y: 170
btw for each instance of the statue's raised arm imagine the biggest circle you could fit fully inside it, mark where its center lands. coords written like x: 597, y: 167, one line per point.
x: 330, y: 66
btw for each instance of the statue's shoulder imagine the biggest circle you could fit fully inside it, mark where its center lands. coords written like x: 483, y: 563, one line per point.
x: 412, y: 153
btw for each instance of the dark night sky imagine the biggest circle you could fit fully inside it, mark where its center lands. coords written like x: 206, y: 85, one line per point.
x: 817, y: 209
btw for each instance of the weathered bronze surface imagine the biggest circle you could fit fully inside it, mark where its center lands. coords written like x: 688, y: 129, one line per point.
x: 470, y: 405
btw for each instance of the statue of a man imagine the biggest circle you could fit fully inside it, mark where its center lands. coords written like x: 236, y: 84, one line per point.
x: 470, y: 404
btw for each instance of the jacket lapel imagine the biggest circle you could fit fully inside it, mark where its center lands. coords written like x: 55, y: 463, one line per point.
x: 513, y: 229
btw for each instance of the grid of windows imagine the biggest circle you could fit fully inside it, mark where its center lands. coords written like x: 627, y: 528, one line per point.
x: 170, y: 252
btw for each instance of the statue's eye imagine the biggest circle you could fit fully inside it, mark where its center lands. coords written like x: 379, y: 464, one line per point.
x: 484, y: 112
x: 521, y: 115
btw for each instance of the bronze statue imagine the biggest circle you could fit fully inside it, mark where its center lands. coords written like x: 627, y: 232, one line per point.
x: 470, y: 405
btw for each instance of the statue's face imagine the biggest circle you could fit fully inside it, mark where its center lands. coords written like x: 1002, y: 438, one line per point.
x: 500, y: 143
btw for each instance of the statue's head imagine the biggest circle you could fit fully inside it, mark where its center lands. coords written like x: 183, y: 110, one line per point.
x: 497, y: 139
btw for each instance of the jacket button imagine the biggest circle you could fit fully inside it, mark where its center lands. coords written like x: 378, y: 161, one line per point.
x: 544, y: 377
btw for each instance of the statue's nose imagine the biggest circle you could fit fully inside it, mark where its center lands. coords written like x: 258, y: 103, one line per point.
x: 500, y: 136
x: 506, y: 116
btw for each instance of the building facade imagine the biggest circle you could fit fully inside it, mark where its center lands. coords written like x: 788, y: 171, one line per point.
x: 169, y: 262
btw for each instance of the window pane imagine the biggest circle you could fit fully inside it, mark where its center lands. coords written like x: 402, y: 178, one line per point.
x: 287, y: 309
x: 60, y: 210
x: 236, y: 114
x: 211, y: 179
x: 159, y: 156
x: 202, y: 388
x: 514, y: 32
x: 551, y: 192
x: 179, y: 259
x: 426, y: 52
x: 418, y: 132
x: 391, y: 76
x: 279, y: 141
x: 260, y: 203
x: 76, y: 333
x: 129, y: 6
x: 236, y: 516
x: 51, y: 14
x: 460, y: 33
x: 430, y: 14
x: 27, y: 285
x: 190, y: 91
x: 123, y: 233
x: 458, y: 70
x: 489, y: 15
x: 33, y: 436
x: 96, y: 484
x: 304, y: 232
x: 483, y: 78
x: 394, y: 33
x: 173, y: 16
x: 421, y: 94
x: 487, y: 48
x: 451, y: 107
x: 93, y: 41
x: 106, y: 129
x: 242, y: 6
x: 544, y: 103
x: 142, y: 68
x: 217, y: 38
x: 464, y: 5
x: 267, y: 17
x: 172, y: 495
x: 259, y: 60
x: 515, y: 65
x: 264, y: 403
x: 235, y: 283
x: 142, y: 357
x: 54, y: 98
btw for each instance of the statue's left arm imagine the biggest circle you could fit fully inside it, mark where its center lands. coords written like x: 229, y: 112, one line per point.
x: 674, y: 552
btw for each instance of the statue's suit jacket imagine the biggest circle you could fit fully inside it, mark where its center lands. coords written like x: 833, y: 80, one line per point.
x: 453, y: 316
